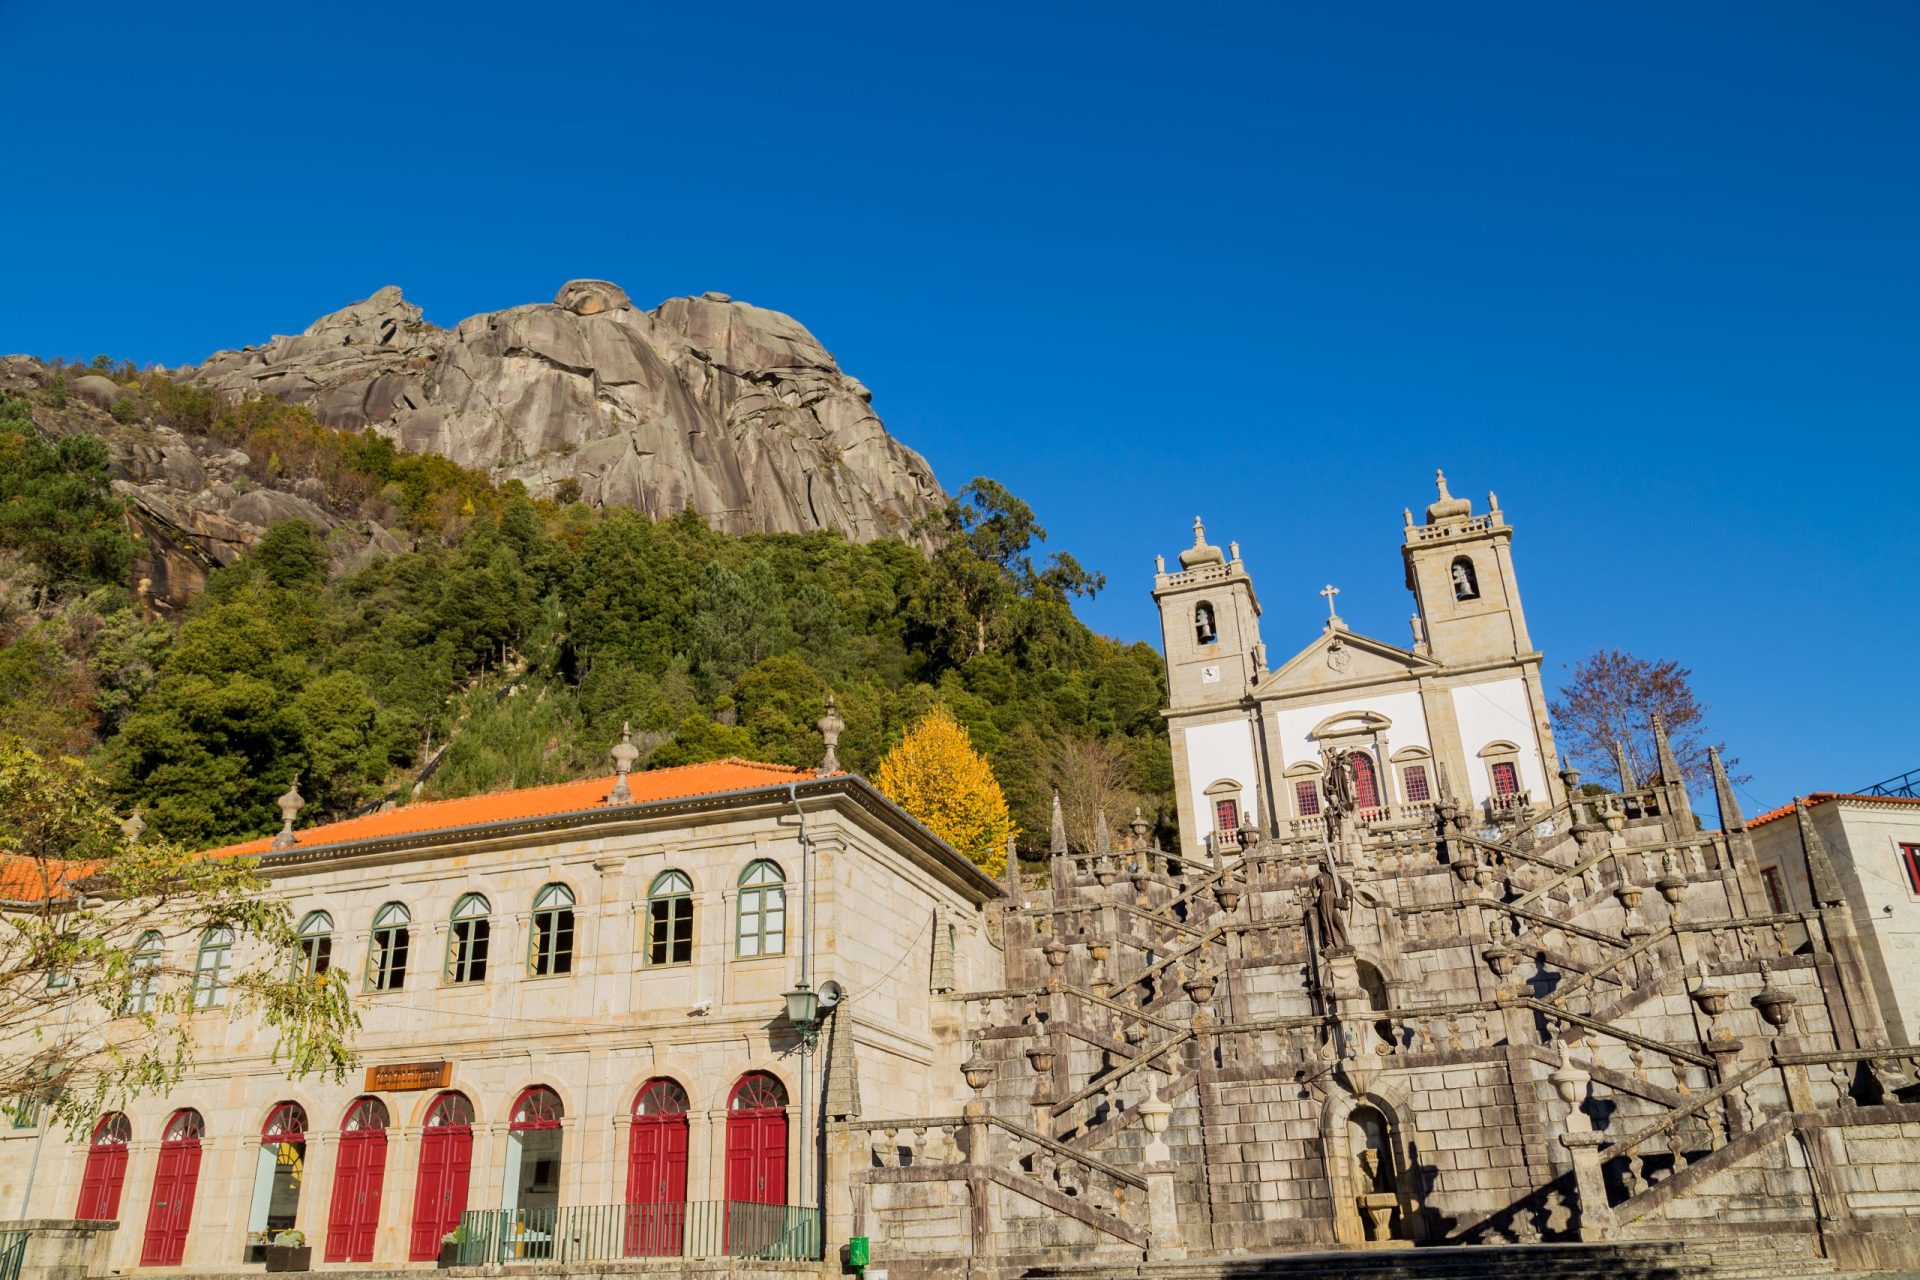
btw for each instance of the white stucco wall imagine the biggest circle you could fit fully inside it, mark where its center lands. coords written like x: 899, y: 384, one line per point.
x: 1220, y: 752
x: 1293, y: 727
x: 1863, y: 837
x: 1493, y: 712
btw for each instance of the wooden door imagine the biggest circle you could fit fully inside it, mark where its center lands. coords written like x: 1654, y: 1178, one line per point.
x: 353, y: 1219
x: 100, y: 1183
x: 756, y: 1164
x: 171, y: 1212
x: 657, y: 1185
x: 440, y: 1193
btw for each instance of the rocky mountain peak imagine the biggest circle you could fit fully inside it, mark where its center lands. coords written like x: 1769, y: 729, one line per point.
x: 732, y: 409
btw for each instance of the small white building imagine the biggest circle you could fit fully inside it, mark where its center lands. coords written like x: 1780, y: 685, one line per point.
x: 1872, y: 844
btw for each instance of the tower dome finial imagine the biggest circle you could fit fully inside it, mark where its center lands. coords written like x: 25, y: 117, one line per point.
x: 1446, y: 506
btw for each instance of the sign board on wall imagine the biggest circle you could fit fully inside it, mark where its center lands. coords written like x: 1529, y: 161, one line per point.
x: 399, y: 1077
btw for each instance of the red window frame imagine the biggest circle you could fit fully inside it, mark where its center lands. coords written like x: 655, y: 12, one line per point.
x: 1506, y: 779
x: 1776, y: 892
x: 1366, y: 782
x: 1910, y: 859
x: 1414, y: 777
x: 1226, y: 815
x: 1306, y: 795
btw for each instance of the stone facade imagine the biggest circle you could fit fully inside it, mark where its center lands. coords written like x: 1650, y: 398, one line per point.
x: 1420, y: 1000
x: 874, y: 884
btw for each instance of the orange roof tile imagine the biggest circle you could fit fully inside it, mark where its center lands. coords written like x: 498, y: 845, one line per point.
x: 21, y: 879
x: 1816, y: 798
x: 711, y: 778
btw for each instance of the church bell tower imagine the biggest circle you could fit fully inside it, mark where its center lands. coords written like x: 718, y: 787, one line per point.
x: 1460, y: 570
x: 1209, y: 625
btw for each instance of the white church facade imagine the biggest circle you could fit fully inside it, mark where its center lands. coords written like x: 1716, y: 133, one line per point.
x: 1461, y: 712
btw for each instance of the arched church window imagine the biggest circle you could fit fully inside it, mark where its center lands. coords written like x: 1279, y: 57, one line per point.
x: 1204, y: 630
x: 1366, y: 781
x: 1466, y: 584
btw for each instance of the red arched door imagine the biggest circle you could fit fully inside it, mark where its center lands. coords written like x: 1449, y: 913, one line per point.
x: 358, y: 1180
x: 446, y: 1158
x: 657, y: 1171
x: 106, y: 1168
x: 171, y: 1211
x: 756, y: 1161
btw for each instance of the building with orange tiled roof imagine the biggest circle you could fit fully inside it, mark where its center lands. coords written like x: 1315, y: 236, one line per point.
x: 572, y: 994
x: 1872, y: 843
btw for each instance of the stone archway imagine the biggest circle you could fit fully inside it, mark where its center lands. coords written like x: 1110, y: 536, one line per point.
x: 1372, y: 1169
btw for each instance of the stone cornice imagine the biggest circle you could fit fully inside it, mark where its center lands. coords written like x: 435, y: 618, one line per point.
x: 856, y: 798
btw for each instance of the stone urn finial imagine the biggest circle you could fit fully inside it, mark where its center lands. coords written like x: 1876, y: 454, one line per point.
x: 831, y: 726
x: 1155, y: 1113
x: 289, y: 810
x: 1775, y: 1005
x: 623, y: 753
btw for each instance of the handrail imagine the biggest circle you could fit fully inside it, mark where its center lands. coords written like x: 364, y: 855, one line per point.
x: 1605, y: 1028
x: 1628, y: 1142
x: 663, y: 1229
x: 1126, y: 1068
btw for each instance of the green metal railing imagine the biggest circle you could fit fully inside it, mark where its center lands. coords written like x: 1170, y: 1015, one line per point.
x: 607, y: 1232
x: 13, y: 1253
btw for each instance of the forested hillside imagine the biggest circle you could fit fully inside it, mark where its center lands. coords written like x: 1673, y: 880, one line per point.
x: 508, y: 646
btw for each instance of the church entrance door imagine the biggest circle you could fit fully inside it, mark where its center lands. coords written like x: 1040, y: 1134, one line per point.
x: 657, y: 1171
x: 446, y: 1160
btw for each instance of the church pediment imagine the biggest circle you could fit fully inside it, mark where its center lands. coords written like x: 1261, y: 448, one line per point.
x: 1341, y: 658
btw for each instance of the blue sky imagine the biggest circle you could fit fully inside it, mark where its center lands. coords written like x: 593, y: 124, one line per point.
x: 1650, y: 271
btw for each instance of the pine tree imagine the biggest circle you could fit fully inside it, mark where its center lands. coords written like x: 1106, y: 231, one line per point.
x: 937, y: 776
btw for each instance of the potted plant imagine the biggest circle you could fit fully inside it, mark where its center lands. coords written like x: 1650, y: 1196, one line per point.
x: 450, y: 1247
x: 289, y: 1251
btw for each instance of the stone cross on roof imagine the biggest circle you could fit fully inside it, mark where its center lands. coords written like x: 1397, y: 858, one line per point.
x: 1330, y: 591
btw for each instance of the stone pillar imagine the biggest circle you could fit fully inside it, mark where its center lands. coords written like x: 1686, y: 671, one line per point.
x: 837, y: 1205
x: 316, y: 1189
x: 1583, y: 1144
x: 979, y: 1196
x: 136, y: 1202
x: 701, y: 1165
x: 1164, y: 1238
x: 399, y: 1183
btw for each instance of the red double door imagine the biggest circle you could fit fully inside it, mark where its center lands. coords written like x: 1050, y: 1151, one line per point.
x: 756, y: 1175
x: 440, y: 1193
x: 100, y: 1183
x: 657, y: 1185
x: 353, y: 1219
x: 169, y: 1215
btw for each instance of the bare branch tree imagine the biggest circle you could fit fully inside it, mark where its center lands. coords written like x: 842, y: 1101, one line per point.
x: 1092, y: 775
x: 1612, y: 697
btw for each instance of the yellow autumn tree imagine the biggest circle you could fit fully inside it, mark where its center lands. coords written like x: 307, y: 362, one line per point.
x: 937, y: 776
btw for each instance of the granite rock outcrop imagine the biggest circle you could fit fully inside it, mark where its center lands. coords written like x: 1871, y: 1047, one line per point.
x: 731, y: 409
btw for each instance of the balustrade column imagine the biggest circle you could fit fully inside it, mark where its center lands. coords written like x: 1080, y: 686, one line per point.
x: 1583, y: 1145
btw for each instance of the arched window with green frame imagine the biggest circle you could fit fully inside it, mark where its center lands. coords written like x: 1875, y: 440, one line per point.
x: 468, y: 938
x: 387, y: 948
x: 212, y: 967
x: 143, y: 979
x: 550, y: 942
x: 763, y: 909
x: 316, y: 943
x: 670, y: 919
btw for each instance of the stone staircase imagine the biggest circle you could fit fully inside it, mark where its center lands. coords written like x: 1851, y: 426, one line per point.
x: 1638, y: 1260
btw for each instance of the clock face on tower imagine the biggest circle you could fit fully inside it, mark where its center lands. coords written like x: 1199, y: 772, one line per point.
x: 1209, y: 675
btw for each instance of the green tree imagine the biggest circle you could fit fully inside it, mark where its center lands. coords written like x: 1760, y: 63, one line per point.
x: 57, y: 505
x: 89, y: 1018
